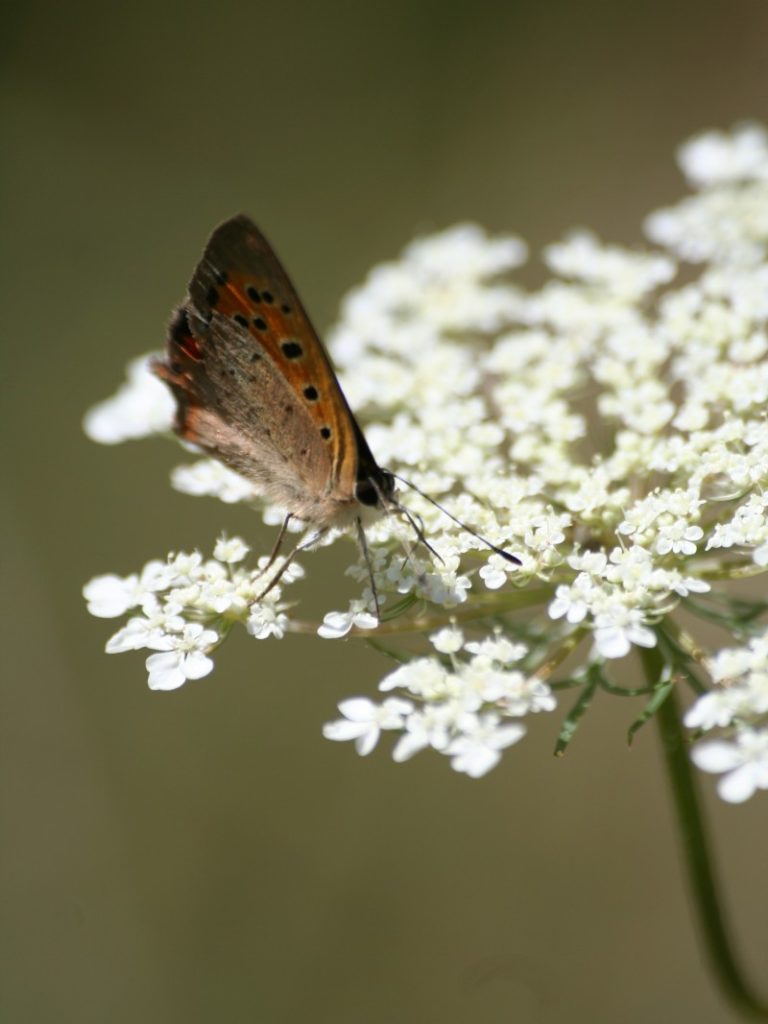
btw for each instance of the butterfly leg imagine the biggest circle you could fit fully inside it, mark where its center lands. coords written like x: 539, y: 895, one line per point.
x: 278, y: 544
x: 288, y: 559
x: 367, y: 557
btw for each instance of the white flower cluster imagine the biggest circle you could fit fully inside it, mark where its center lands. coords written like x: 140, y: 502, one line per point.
x: 746, y: 529
x: 739, y: 707
x: 727, y: 221
x: 679, y: 382
x: 608, y: 429
x: 622, y: 591
x: 187, y: 605
x: 142, y: 406
x: 467, y: 707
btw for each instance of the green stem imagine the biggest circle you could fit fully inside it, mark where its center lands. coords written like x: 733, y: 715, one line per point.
x: 696, y: 851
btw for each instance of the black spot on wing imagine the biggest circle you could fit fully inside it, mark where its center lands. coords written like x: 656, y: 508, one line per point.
x: 292, y: 350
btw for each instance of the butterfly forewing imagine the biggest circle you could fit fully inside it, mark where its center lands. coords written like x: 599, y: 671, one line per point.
x: 254, y: 385
x: 241, y: 279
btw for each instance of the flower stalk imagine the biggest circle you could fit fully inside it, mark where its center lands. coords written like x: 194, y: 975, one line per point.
x: 696, y: 851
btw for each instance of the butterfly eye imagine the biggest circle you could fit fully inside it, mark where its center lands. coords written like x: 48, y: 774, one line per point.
x: 366, y: 493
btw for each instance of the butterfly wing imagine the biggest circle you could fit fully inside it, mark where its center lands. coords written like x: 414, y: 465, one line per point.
x: 254, y: 385
x: 242, y: 412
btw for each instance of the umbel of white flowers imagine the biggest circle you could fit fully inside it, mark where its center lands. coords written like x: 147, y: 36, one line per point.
x: 479, y: 392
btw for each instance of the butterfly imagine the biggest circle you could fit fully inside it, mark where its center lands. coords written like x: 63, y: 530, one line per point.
x: 255, y: 388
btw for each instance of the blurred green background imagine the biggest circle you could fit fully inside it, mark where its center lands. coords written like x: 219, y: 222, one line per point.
x: 206, y: 856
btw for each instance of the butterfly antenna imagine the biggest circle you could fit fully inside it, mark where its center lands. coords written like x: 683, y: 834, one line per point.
x: 367, y: 557
x: 409, y: 549
x: 494, y: 547
x: 418, y: 530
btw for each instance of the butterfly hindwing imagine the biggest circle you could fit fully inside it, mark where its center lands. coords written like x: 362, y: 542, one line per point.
x: 240, y: 410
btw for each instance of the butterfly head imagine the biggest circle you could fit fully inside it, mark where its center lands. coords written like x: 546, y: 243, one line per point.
x: 376, y: 488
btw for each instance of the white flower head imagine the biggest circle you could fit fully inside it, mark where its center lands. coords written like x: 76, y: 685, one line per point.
x: 148, y: 630
x: 141, y: 407
x: 230, y: 550
x: 717, y: 158
x: 364, y: 721
x: 448, y: 640
x: 211, y: 478
x: 607, y: 428
x: 184, y: 656
x: 337, y: 624
x: 618, y: 627
x: 265, y: 620
x: 743, y: 763
x: 478, y: 749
